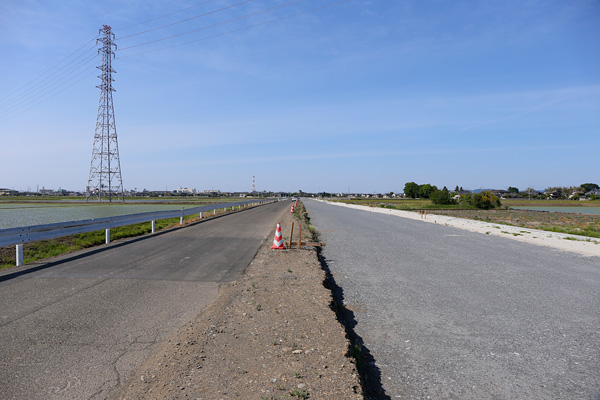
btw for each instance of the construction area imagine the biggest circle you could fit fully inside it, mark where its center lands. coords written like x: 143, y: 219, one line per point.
x: 271, y: 335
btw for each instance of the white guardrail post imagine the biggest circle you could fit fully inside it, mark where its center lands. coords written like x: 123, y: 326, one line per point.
x: 153, y: 226
x: 107, y: 235
x: 19, y: 255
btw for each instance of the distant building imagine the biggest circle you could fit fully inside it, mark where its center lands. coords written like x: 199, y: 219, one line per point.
x: 8, y: 192
x: 593, y: 192
x: 181, y: 190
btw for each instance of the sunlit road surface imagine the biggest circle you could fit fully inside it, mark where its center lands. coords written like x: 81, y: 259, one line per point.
x: 76, y: 328
x: 451, y: 314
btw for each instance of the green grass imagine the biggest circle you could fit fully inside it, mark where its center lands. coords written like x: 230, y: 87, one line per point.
x: 590, y: 230
x: 547, y: 203
x: 299, y: 393
x: 399, y: 204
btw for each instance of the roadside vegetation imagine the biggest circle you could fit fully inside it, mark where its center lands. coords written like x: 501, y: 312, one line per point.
x: 485, y: 200
x: 301, y: 215
x: 587, y: 225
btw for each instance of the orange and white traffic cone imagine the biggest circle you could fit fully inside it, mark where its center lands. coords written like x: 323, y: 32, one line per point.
x: 278, y: 240
x: 292, y: 210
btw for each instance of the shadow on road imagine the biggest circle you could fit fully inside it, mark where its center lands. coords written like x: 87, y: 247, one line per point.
x: 41, y: 265
x: 370, y: 375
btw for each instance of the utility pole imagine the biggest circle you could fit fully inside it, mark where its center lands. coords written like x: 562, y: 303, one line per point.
x: 105, y: 167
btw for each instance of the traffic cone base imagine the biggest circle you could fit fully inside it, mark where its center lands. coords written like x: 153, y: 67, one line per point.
x: 278, y: 240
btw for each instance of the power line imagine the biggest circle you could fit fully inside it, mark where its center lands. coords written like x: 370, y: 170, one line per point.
x: 253, y: 14
x: 48, y: 86
x: 62, y: 78
x: 44, y: 82
x: 237, y: 30
x: 52, y: 86
x: 163, y: 16
x: 48, y: 70
x: 187, y: 19
x: 51, y: 96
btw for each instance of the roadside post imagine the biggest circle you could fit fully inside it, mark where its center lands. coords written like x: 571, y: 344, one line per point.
x: 19, y: 255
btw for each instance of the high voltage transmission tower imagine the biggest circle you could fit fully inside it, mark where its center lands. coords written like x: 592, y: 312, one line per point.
x: 105, y: 168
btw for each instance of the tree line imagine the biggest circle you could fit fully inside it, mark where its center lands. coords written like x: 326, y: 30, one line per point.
x: 484, y: 200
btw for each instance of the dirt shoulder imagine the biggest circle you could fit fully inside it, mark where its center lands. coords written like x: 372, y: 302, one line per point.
x: 270, y: 335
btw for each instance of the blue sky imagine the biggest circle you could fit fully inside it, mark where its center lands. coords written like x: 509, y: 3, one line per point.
x: 362, y: 96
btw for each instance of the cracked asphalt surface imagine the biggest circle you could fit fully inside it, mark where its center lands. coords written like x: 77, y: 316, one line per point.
x: 77, y: 327
x: 451, y: 314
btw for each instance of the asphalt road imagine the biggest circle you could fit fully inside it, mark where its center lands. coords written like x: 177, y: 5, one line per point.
x: 75, y: 328
x: 450, y: 314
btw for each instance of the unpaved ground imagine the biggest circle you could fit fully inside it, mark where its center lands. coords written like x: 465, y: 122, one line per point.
x: 271, y: 335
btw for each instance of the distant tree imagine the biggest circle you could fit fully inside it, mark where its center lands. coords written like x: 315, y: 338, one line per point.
x: 426, y: 190
x: 513, y: 190
x: 442, y: 197
x: 465, y: 199
x: 532, y: 193
x: 589, y: 187
x: 411, y: 190
x: 456, y: 189
x: 485, y: 200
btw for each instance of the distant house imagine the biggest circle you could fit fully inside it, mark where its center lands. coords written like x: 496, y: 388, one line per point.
x: 554, y: 195
x: 500, y: 193
x: 181, y: 190
x: 576, y: 195
x: 8, y: 192
x: 594, y: 192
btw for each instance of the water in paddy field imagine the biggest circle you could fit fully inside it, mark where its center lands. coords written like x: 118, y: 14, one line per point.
x: 574, y: 210
x: 22, y: 214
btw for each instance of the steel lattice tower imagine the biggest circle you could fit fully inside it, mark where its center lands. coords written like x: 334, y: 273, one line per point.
x: 105, y: 169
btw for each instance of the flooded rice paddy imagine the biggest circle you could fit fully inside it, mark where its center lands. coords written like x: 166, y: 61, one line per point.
x: 13, y: 215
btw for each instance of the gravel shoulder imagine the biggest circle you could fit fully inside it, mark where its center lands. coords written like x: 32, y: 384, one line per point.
x: 270, y: 335
x: 562, y: 241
